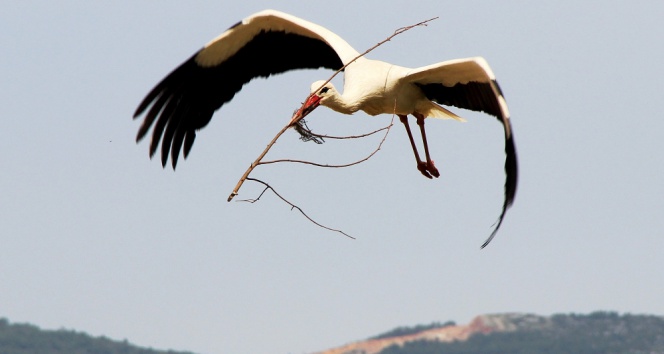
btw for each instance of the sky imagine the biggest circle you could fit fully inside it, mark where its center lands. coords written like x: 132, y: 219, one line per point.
x: 96, y: 237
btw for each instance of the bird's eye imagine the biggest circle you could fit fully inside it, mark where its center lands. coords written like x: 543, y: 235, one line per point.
x: 324, y: 89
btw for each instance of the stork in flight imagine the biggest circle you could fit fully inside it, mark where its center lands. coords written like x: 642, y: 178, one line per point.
x: 271, y: 42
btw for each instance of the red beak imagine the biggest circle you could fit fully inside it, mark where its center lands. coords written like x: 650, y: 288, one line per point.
x: 308, y: 107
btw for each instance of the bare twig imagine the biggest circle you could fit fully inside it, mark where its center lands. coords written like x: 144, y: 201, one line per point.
x: 297, y: 117
x: 293, y: 206
x: 256, y: 162
x: 252, y: 201
x: 338, y: 166
x: 349, y: 136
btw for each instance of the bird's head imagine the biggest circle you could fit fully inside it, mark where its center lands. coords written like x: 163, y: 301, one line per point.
x: 322, y: 92
x: 320, y: 95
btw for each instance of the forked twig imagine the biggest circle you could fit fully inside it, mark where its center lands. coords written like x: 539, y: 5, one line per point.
x: 324, y: 136
x: 295, y: 118
x: 256, y: 162
x: 293, y: 206
x: 339, y: 166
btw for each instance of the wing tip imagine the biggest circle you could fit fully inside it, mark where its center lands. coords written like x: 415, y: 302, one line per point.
x: 511, y: 183
x: 495, y: 230
x: 507, y: 203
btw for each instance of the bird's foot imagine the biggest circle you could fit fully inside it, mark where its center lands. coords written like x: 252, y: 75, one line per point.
x: 428, y: 169
x: 422, y: 167
x: 432, y: 169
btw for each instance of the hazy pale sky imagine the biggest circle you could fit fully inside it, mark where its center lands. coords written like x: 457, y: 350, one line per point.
x: 96, y: 237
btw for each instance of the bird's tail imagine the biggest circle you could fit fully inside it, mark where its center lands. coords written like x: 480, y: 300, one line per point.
x: 436, y: 111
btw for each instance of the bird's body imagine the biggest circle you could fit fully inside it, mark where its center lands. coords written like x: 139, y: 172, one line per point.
x: 382, y: 88
x: 272, y: 42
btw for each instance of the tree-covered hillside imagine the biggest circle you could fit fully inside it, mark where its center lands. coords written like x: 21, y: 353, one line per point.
x: 29, y: 339
x: 597, y: 333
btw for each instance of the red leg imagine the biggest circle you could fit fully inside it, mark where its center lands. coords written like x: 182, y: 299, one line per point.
x: 430, y: 167
x: 421, y: 166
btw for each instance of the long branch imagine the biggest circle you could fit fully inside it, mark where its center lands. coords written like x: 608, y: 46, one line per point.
x: 255, y: 163
x: 297, y: 117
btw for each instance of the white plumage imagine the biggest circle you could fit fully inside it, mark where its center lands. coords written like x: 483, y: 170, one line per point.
x: 272, y: 42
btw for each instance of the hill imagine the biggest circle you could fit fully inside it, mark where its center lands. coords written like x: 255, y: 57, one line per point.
x: 29, y: 339
x: 599, y: 332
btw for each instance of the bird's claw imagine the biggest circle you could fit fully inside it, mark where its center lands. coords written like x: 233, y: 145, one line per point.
x: 422, y: 167
x: 428, y: 169
x: 432, y: 168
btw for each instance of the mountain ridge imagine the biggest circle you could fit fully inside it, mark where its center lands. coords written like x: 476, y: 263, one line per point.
x: 596, y: 332
x: 24, y: 338
x: 515, y: 333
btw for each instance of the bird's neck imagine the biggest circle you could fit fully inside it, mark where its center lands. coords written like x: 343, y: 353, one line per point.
x: 342, y: 105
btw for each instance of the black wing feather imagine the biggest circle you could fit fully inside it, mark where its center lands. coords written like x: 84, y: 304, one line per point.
x: 186, y: 99
x: 476, y: 96
x: 482, y: 97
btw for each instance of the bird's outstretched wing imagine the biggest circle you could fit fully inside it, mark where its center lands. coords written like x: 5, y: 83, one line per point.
x: 470, y: 84
x: 264, y: 44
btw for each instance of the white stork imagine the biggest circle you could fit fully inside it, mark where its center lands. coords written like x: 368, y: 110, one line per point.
x: 272, y: 42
